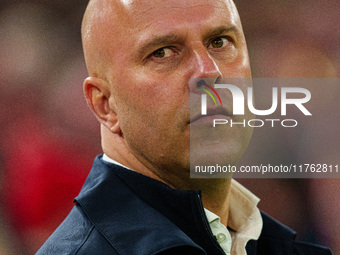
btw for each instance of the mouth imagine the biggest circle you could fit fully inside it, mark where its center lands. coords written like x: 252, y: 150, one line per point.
x: 212, y: 114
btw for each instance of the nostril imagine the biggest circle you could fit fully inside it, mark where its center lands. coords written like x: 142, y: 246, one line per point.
x: 200, y: 83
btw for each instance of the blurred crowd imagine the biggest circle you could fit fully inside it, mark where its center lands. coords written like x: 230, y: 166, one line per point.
x: 49, y: 138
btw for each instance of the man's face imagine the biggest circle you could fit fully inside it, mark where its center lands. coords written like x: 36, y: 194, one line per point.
x: 154, y: 49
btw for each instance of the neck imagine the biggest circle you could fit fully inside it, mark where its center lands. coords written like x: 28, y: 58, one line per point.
x: 215, y: 192
x: 216, y: 197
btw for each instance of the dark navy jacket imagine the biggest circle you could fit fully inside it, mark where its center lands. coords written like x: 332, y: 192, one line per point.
x: 119, y: 211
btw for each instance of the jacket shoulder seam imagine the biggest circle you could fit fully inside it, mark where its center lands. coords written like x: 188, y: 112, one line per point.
x: 85, y: 239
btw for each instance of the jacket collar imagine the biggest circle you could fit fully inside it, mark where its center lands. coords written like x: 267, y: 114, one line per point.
x: 163, y: 217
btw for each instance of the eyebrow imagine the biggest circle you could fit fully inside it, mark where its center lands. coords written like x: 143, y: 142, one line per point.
x: 159, y: 41
x: 222, y: 30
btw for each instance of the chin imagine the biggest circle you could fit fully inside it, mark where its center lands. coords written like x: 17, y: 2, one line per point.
x: 216, y: 153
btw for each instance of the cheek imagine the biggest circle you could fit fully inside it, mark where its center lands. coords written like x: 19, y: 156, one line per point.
x: 240, y: 68
x: 147, y: 108
x: 153, y: 121
x: 152, y: 102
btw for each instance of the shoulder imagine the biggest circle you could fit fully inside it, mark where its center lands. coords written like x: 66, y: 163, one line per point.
x: 112, y: 218
x: 277, y: 238
x: 76, y: 235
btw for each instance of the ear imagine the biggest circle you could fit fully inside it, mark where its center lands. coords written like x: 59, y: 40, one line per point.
x: 97, y: 93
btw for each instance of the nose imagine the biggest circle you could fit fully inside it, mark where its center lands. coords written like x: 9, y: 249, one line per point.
x: 205, y: 65
x: 205, y: 69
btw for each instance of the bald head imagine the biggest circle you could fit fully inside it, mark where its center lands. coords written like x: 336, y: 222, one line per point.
x: 102, y: 22
x: 98, y: 22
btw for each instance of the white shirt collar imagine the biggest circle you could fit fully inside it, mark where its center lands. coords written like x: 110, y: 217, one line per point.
x: 244, y: 222
x: 110, y: 160
x: 221, y: 233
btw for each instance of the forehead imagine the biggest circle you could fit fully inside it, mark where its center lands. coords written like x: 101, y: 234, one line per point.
x: 115, y: 30
x: 150, y: 9
x: 138, y: 16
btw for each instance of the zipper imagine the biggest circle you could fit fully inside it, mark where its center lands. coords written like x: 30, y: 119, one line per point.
x: 206, y: 224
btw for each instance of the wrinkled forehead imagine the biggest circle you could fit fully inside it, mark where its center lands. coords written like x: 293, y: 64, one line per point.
x: 191, y: 10
x: 139, y: 14
x: 159, y: 7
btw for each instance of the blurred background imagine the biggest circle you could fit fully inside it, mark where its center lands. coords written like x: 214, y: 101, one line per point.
x: 49, y: 137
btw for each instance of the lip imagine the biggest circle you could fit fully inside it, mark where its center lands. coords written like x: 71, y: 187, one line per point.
x: 212, y: 113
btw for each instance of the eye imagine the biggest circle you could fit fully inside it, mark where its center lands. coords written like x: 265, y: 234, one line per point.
x: 219, y: 42
x: 162, y: 53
